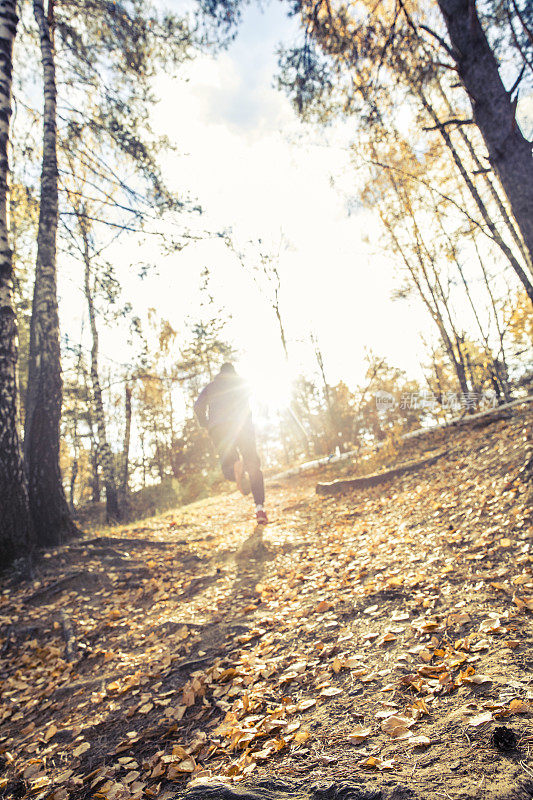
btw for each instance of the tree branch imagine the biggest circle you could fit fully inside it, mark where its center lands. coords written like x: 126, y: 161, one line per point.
x: 452, y: 121
x: 522, y: 22
x: 439, y: 39
x: 517, y: 81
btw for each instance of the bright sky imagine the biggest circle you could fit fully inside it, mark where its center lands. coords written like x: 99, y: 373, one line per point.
x: 258, y: 171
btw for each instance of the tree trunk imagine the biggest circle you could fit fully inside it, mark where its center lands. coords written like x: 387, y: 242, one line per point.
x: 15, y: 520
x: 106, y: 456
x: 75, y: 437
x: 143, y: 460
x: 49, y: 509
x: 491, y: 359
x: 503, y: 371
x: 493, y: 109
x: 494, y: 232
x: 95, y: 478
x: 126, y: 447
x: 431, y: 305
x: 327, y: 396
x: 510, y: 224
x: 73, y: 476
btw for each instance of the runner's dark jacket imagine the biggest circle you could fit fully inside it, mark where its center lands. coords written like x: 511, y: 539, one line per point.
x: 224, y: 403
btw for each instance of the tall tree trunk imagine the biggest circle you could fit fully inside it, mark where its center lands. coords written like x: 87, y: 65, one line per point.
x: 438, y: 297
x: 73, y: 476
x: 494, y: 232
x: 15, y: 520
x: 327, y: 395
x: 494, y: 368
x: 510, y: 223
x: 502, y: 372
x: 49, y: 509
x: 126, y: 447
x: 95, y: 478
x: 432, y: 304
x: 75, y: 436
x: 75, y: 460
x: 494, y: 110
x: 143, y: 460
x: 106, y: 456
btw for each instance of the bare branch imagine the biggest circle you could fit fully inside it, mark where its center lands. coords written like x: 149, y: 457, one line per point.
x: 517, y: 81
x: 522, y: 22
x: 439, y: 39
x: 449, y: 122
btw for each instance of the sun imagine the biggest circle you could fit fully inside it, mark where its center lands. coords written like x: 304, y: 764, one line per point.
x: 271, y: 392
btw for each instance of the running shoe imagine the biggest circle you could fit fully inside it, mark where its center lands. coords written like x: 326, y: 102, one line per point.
x: 261, y: 517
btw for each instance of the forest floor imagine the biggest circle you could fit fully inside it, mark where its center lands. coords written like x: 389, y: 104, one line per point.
x: 377, y: 644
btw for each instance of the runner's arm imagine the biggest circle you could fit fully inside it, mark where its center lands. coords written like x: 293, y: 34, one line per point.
x: 200, y: 407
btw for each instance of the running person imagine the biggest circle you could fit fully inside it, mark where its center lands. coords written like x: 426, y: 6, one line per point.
x: 223, y: 408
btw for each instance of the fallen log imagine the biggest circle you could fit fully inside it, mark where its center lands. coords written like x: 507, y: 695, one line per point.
x: 365, y: 481
x: 278, y: 789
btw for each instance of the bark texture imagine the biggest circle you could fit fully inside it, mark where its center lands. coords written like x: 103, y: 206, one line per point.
x: 49, y: 509
x: 493, y: 110
x: 15, y: 521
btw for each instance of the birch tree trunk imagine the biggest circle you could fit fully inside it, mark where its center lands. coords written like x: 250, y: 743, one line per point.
x: 495, y: 234
x: 126, y: 447
x: 94, y: 481
x: 49, y: 509
x: 430, y: 300
x: 510, y: 223
x: 15, y: 521
x: 493, y: 109
x: 106, y: 456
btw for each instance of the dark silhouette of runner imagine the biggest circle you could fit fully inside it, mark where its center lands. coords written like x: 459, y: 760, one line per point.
x: 223, y: 408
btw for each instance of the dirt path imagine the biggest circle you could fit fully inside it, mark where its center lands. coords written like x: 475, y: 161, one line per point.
x: 367, y: 646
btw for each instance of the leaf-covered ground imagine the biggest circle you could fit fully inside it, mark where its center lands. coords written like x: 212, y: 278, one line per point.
x: 381, y: 639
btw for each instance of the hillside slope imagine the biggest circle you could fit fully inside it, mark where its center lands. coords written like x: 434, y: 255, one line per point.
x: 372, y: 645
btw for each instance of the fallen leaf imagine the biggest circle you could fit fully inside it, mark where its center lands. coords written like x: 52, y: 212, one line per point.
x: 303, y: 705
x: 477, y: 679
x: 177, y: 770
x: 397, y: 725
x: 337, y: 664
x: 352, y: 663
x: 81, y: 749
x: 358, y: 734
x: 330, y: 691
x: 50, y: 731
x: 373, y: 762
x: 480, y: 719
x: 518, y: 706
x: 419, y: 741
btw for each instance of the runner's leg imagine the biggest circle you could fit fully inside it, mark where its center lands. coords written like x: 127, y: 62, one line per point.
x: 227, y: 452
x: 252, y: 464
